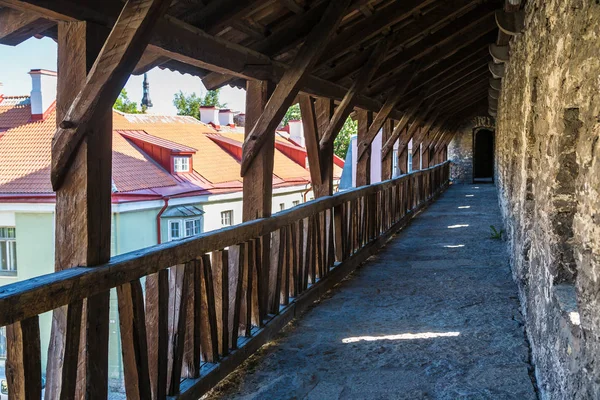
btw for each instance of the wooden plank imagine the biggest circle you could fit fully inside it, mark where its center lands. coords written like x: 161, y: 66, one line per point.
x: 402, y: 124
x: 191, y: 350
x: 17, y: 26
x: 363, y: 166
x: 311, y: 137
x: 24, y: 360
x: 117, y: 59
x: 209, y: 339
x: 180, y: 274
x: 291, y: 81
x: 346, y: 106
x: 157, y: 331
x: 386, y: 162
x: 238, y: 294
x: 71, y: 351
x: 134, y: 347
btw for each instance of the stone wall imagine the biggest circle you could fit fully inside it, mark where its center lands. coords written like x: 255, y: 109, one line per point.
x: 460, y: 152
x: 548, y: 175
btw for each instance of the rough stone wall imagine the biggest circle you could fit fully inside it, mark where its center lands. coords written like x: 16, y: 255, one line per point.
x: 460, y: 152
x: 548, y: 175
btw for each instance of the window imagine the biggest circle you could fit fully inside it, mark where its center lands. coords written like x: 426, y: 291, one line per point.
x: 182, y: 164
x: 395, y: 162
x: 281, y: 206
x: 295, y: 203
x: 227, y: 218
x: 179, y: 229
x: 8, y: 250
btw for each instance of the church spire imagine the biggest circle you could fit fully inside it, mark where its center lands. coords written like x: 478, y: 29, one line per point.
x: 146, y: 102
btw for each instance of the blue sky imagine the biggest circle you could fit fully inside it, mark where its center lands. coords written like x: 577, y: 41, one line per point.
x: 41, y: 53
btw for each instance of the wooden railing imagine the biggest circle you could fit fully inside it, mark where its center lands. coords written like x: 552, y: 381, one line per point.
x: 210, y: 301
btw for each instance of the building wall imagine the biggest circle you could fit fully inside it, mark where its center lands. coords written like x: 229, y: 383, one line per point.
x: 548, y: 175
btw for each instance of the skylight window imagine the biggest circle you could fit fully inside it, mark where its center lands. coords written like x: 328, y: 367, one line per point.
x: 181, y: 164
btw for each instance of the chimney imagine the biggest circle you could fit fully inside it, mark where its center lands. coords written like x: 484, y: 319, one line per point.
x: 296, y: 131
x: 240, y: 119
x: 226, y: 118
x: 209, y: 115
x: 43, y: 92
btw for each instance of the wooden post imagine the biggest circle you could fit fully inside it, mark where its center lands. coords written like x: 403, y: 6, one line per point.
x: 324, y: 109
x: 258, y: 187
x: 416, y: 158
x: 386, y: 160
x: 403, y: 161
x: 363, y: 165
x: 83, y: 219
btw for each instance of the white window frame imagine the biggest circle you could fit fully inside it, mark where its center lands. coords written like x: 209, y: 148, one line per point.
x: 4, y: 343
x: 281, y: 206
x: 226, y: 215
x: 181, y: 164
x: 196, y: 227
x: 295, y: 203
x: 10, y: 244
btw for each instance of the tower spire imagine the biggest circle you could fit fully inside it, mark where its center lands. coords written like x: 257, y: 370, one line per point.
x: 146, y: 96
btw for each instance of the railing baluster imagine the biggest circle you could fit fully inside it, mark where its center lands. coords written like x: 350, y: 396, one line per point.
x: 238, y: 280
x: 210, y: 336
x: 133, y: 340
x: 23, y: 364
x: 72, y: 339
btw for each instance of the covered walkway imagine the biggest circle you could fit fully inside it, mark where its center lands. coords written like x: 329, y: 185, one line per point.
x: 434, y: 315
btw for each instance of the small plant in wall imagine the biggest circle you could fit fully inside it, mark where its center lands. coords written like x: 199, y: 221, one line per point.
x: 496, y: 234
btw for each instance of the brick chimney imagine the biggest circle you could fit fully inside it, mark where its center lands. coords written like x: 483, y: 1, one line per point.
x: 226, y: 118
x: 43, y: 93
x: 209, y: 115
x: 296, y: 131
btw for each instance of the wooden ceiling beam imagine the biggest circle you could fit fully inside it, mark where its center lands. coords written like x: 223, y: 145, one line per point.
x: 462, y: 32
x: 477, y: 94
x: 292, y: 80
x: 18, y: 26
x: 346, y: 106
x: 402, y: 123
x: 463, y: 86
x: 117, y: 59
x: 148, y: 61
x: 475, y: 39
x: 293, y: 6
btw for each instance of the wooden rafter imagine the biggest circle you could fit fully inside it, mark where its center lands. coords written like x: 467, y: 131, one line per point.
x: 112, y: 68
x: 18, y: 26
x: 290, y: 84
x: 344, y: 109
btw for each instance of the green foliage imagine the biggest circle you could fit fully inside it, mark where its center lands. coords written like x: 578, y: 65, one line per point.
x: 342, y: 141
x: 187, y: 104
x: 496, y: 234
x: 292, y: 113
x: 211, y: 98
x: 125, y: 105
x: 190, y: 104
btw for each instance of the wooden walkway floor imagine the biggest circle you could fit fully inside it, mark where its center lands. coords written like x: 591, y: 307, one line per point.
x: 435, y: 315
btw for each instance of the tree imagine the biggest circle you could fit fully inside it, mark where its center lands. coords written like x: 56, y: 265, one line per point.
x: 125, y: 105
x: 292, y: 113
x: 212, y: 99
x: 190, y: 104
x: 187, y: 104
x: 342, y: 141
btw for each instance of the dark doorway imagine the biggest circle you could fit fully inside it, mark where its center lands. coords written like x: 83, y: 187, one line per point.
x: 483, y: 156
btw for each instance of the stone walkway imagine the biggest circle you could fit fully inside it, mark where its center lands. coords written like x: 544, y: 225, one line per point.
x: 434, y: 315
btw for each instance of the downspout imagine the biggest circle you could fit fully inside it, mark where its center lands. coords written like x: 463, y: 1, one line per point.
x: 160, y: 213
x: 308, y: 189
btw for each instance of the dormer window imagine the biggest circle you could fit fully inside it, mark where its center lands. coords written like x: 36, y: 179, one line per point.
x: 181, y: 164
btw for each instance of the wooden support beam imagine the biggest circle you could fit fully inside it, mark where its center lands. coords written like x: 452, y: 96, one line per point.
x: 18, y: 26
x: 148, y: 61
x: 510, y: 23
x: 293, y: 6
x: 385, y: 111
x: 316, y: 116
x: 499, y: 53
x: 389, y: 144
x: 344, y: 109
x: 387, y: 162
x: 418, y: 139
x: 363, y: 166
x: 292, y: 80
x: 116, y: 61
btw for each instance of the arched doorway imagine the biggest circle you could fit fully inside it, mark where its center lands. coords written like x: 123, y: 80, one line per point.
x: 483, y: 155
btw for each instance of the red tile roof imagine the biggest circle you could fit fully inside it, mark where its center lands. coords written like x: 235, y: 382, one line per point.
x: 25, y: 153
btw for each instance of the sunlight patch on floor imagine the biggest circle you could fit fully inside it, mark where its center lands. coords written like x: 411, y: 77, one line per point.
x: 458, y: 226
x: 402, y: 336
x: 464, y: 207
x: 469, y: 195
x: 454, y: 246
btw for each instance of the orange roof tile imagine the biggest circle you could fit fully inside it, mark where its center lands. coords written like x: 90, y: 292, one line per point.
x: 14, y: 111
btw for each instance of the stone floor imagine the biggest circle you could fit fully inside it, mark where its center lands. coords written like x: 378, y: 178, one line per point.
x: 434, y: 315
